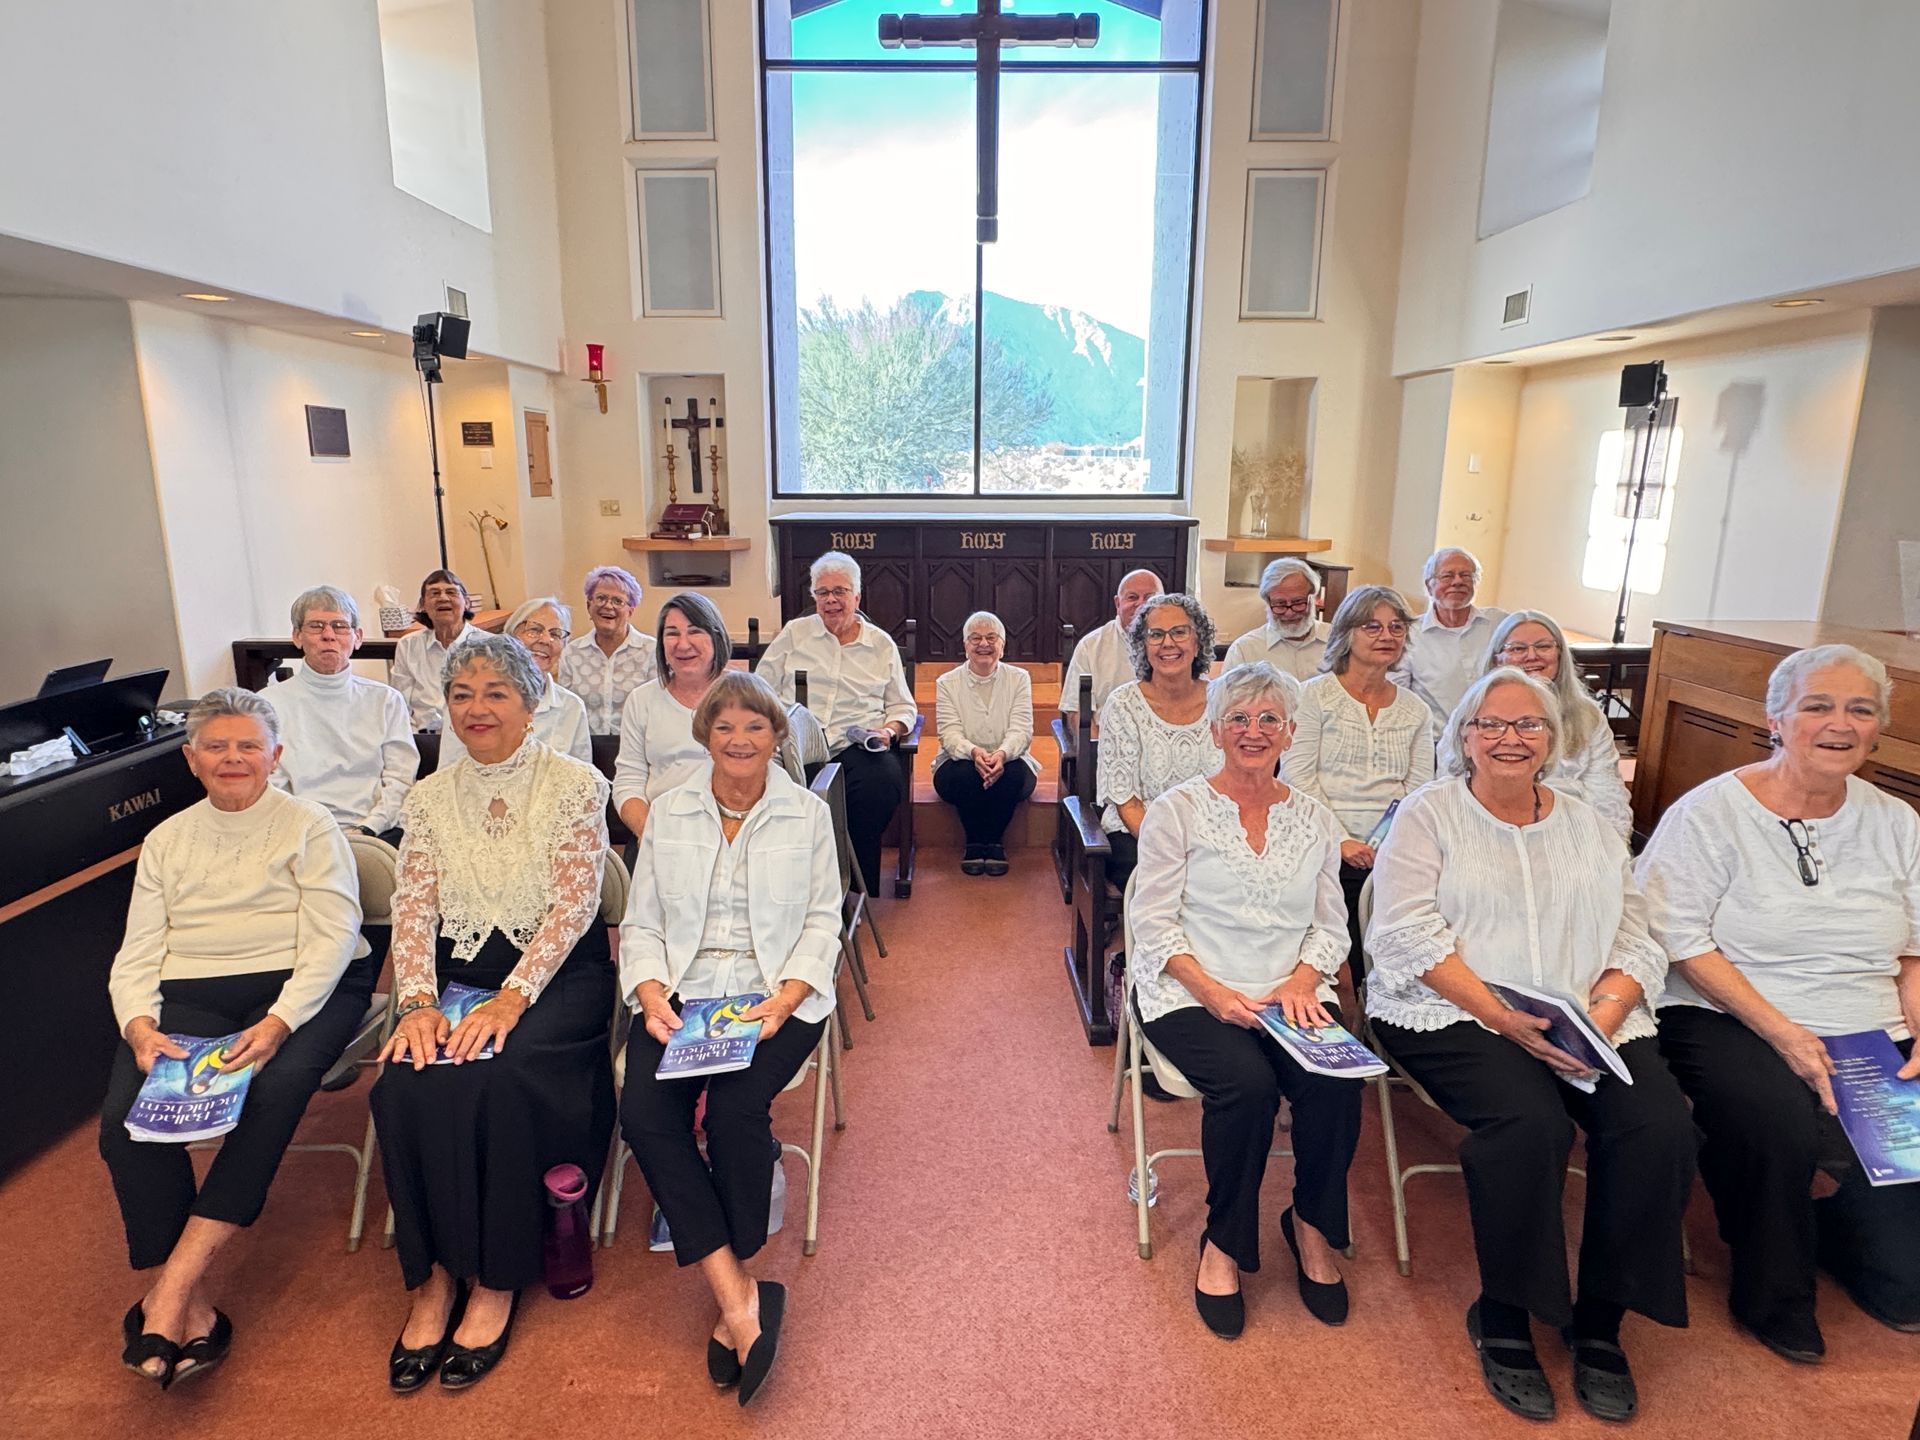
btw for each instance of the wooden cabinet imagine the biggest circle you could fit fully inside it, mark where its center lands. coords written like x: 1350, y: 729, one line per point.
x: 1035, y: 573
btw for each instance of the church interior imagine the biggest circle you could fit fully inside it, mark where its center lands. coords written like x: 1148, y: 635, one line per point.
x: 1617, y: 300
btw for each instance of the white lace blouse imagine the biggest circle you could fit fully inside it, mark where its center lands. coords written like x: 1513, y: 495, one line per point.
x: 1143, y: 756
x: 515, y: 847
x: 1552, y: 905
x: 1357, y: 767
x: 1249, y: 919
x: 1592, y: 774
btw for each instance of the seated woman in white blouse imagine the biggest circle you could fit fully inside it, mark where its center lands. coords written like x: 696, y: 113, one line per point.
x: 1787, y: 895
x: 657, y: 748
x: 1361, y: 742
x: 245, y: 917
x: 1490, y: 876
x: 737, y: 891
x: 984, y: 711
x: 1589, y: 763
x: 1153, y: 730
x: 560, y: 719
x: 1236, y: 905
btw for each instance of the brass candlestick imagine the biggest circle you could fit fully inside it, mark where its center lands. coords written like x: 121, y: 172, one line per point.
x: 721, y: 526
x: 673, y: 488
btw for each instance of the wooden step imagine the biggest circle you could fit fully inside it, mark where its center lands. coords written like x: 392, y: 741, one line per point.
x: 936, y: 823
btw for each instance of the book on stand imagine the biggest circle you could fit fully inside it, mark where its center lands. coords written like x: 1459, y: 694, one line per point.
x: 1322, y: 1049
x: 457, y: 1002
x: 1879, y: 1111
x: 712, y: 1038
x: 192, y: 1099
x: 1570, y: 1029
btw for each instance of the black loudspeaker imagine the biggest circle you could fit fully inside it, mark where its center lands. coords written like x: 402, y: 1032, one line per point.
x: 447, y: 334
x: 1642, y: 385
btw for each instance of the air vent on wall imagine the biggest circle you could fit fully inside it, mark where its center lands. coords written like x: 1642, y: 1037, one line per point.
x: 1515, y: 309
x: 457, y: 302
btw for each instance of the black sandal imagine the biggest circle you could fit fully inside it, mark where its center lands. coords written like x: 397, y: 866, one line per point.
x: 142, y: 1346
x: 1522, y: 1389
x: 207, y: 1351
x: 1603, y: 1393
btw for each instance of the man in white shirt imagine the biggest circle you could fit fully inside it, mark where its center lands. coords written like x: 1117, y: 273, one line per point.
x: 1447, y: 644
x: 346, y: 739
x: 1291, y: 641
x: 1102, y: 651
x: 420, y: 658
x: 613, y: 659
x: 858, y: 689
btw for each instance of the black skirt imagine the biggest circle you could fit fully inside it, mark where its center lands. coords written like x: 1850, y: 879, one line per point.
x: 465, y: 1147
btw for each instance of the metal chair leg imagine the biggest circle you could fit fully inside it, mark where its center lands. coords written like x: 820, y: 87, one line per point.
x: 859, y: 973
x: 356, y: 1227
x: 821, y: 1083
x: 846, y: 1030
x: 616, y: 1177
x: 1141, y: 1181
x: 1119, y: 1085
x: 833, y: 1075
x: 1403, y: 1256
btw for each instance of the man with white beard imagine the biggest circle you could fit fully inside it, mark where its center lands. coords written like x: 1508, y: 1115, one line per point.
x: 1447, y: 647
x: 1292, y: 640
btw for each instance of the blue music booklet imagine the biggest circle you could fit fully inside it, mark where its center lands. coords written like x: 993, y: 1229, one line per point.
x: 1879, y: 1111
x: 192, y: 1099
x: 712, y: 1038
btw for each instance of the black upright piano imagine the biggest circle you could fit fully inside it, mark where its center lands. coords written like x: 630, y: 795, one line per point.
x: 69, y: 837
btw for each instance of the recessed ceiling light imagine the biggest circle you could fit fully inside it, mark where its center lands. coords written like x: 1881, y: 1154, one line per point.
x: 367, y: 334
x: 1615, y: 339
x: 202, y: 295
x: 1796, y: 304
x: 1498, y: 362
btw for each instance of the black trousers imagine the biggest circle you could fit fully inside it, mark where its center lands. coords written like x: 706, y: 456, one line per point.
x: 1640, y: 1158
x: 720, y: 1201
x: 464, y: 1147
x: 154, y: 1182
x: 876, y: 781
x: 1123, y: 855
x: 1353, y: 879
x: 1241, y: 1076
x: 985, y: 810
x: 1765, y: 1134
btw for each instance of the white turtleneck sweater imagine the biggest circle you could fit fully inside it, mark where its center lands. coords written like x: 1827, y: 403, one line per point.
x: 349, y: 745
x: 238, y: 892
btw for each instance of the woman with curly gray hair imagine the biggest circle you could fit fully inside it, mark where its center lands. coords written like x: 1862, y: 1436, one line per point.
x: 500, y: 892
x: 1153, y: 731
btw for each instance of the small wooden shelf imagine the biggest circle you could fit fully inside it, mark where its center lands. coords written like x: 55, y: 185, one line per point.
x: 1265, y: 545
x: 644, y: 543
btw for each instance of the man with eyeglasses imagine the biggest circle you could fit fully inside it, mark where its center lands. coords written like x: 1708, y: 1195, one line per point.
x: 857, y: 688
x: 1102, y: 651
x: 346, y: 740
x: 1292, y: 640
x: 1448, y: 641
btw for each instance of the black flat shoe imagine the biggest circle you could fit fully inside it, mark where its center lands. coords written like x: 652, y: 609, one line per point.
x: 1604, y: 1392
x: 1326, y: 1301
x: 142, y: 1347
x: 1224, y: 1315
x: 995, y: 861
x: 408, y: 1370
x: 1804, y: 1345
x: 468, y: 1365
x: 723, y: 1366
x: 973, y: 861
x: 759, y: 1362
x: 205, y: 1352
x: 1523, y: 1389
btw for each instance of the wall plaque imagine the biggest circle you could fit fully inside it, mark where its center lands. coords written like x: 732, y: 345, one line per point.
x: 327, y: 431
x: 476, y: 432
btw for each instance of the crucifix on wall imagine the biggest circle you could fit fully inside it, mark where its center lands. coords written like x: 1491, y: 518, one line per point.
x: 987, y: 32
x: 693, y: 422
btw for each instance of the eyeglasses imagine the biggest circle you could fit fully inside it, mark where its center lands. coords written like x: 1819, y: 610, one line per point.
x: 1542, y: 648
x: 1806, y: 851
x: 1176, y: 634
x: 443, y: 592
x: 833, y: 592
x: 607, y: 599
x: 328, y: 627
x: 534, y: 631
x: 984, y: 638
x: 1375, y: 628
x: 1269, y: 722
x: 1290, y: 607
x: 1492, y: 728
x: 1453, y: 575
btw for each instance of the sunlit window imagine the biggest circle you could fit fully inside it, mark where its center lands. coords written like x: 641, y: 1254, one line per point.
x: 1616, y: 476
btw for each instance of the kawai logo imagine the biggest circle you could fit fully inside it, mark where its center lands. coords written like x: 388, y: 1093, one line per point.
x: 132, y: 805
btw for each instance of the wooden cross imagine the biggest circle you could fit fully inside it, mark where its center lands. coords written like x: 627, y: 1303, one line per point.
x: 987, y: 32
x: 693, y: 422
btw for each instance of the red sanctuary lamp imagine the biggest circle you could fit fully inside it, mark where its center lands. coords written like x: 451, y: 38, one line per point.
x: 596, y: 373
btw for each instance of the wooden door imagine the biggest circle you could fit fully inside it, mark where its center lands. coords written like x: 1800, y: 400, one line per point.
x: 539, y: 456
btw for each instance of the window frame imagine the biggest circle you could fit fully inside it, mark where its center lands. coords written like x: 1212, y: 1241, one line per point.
x: 1201, y: 72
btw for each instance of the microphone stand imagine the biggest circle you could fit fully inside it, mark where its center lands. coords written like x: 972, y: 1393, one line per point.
x: 1633, y: 521
x: 427, y: 379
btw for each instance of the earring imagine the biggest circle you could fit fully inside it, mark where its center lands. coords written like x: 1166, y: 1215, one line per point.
x: 1773, y: 740
x: 1875, y: 749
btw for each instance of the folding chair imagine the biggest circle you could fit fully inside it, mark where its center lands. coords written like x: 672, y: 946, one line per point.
x: 830, y: 785
x: 1131, y: 1056
x: 378, y: 865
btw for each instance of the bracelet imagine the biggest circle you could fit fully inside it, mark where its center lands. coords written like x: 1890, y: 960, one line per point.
x: 413, y: 1005
x: 1605, y: 995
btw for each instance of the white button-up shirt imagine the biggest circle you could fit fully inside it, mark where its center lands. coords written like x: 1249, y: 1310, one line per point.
x: 1442, y: 661
x: 995, y: 713
x: 420, y: 673
x: 604, y: 681
x: 657, y: 748
x: 859, y: 683
x: 1101, y: 653
x: 348, y: 744
x: 1357, y: 767
x: 1298, y: 658
x: 560, y: 719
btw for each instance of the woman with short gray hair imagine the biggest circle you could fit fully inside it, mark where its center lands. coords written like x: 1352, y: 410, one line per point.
x: 1362, y: 743
x: 560, y: 717
x: 499, y: 891
x: 984, y: 769
x: 1787, y: 895
x: 239, y: 950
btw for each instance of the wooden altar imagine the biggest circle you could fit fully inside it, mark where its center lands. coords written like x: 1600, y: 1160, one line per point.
x: 1706, y: 705
x: 1035, y: 572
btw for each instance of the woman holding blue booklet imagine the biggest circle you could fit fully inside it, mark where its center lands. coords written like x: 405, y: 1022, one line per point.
x: 736, y: 892
x: 499, y: 889
x: 1787, y: 894
x: 1490, y: 876
x: 1236, y: 907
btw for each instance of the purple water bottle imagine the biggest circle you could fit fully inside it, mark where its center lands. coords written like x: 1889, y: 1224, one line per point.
x: 569, y: 1248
